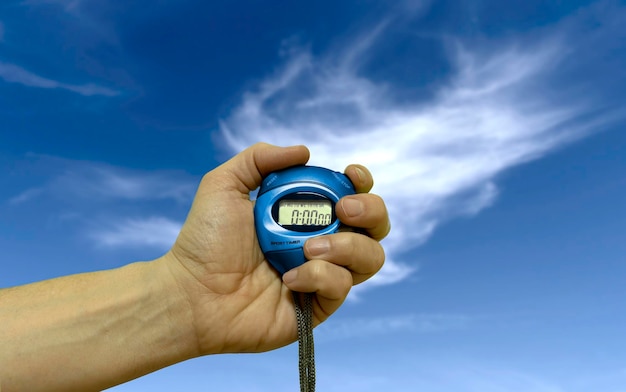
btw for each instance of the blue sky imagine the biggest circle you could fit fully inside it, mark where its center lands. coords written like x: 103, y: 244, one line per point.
x: 494, y: 131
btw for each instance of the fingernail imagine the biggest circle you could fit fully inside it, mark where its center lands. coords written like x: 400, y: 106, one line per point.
x: 290, y: 276
x: 352, y: 207
x: 317, y: 246
x: 361, y: 174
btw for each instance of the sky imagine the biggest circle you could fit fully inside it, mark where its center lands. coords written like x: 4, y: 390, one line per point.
x: 494, y: 131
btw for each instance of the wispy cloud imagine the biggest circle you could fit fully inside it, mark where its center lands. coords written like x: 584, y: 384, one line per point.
x: 366, y: 328
x: 496, y: 378
x: 410, y: 373
x: 434, y: 159
x: 97, y: 182
x: 155, y: 232
x: 25, y: 196
x: 12, y: 73
x: 100, y: 181
x: 114, y: 207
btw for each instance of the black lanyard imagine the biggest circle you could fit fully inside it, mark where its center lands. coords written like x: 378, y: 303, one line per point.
x: 306, y: 351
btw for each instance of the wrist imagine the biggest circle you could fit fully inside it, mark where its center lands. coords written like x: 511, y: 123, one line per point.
x: 206, y: 315
x: 166, y: 285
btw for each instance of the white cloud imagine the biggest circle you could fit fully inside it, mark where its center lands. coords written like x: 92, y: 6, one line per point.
x: 96, y: 181
x: 99, y: 181
x: 432, y: 160
x: 94, y: 195
x: 415, y: 373
x: 481, y: 377
x: 25, y: 196
x: 156, y: 232
x: 12, y: 73
x: 366, y: 328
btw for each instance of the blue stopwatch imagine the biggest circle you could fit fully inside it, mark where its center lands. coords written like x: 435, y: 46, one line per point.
x: 294, y: 205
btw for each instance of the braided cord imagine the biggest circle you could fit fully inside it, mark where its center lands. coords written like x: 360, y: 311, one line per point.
x: 306, y: 351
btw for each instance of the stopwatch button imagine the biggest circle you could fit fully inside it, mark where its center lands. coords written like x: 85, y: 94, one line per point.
x: 284, y: 260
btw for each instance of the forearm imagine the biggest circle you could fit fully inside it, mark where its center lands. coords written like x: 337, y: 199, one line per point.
x: 91, y: 331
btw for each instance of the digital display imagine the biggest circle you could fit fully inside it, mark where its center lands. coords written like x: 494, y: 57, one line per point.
x: 305, y: 212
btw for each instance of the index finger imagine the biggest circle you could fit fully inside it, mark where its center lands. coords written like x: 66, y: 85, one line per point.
x: 361, y: 178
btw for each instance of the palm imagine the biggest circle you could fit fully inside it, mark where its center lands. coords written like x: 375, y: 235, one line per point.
x: 254, y: 304
x: 237, y: 302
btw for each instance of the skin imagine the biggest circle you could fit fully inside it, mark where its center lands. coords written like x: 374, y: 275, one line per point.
x: 213, y: 292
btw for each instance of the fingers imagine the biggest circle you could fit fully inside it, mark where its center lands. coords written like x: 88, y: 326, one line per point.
x: 361, y: 178
x: 361, y: 255
x: 247, y: 169
x: 338, y: 262
x: 331, y: 284
x: 365, y: 211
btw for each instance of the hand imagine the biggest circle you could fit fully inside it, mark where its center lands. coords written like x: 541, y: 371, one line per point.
x: 237, y: 301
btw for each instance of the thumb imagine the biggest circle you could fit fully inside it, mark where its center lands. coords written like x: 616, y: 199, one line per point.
x: 246, y: 170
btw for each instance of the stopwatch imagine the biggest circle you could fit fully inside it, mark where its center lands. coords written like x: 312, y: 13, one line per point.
x: 294, y: 205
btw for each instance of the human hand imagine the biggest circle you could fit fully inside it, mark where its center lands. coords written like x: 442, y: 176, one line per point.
x: 237, y: 301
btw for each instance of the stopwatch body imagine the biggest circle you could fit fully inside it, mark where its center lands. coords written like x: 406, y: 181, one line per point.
x: 294, y: 205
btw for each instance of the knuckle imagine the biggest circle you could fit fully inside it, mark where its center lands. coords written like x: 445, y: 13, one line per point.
x: 379, y: 260
x: 315, y: 270
x: 374, y: 259
x: 346, y: 282
x: 379, y: 204
x: 374, y: 209
x: 352, y: 246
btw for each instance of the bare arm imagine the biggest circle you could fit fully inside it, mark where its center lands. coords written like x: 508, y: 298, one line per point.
x: 92, y: 331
